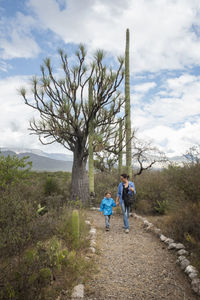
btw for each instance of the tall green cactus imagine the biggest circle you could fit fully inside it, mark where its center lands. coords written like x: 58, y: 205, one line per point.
x: 75, y: 227
x: 128, y: 109
x: 91, y: 137
x: 120, y: 148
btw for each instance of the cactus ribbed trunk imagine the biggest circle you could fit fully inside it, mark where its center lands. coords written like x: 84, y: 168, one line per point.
x: 75, y: 227
x: 128, y: 109
x: 90, y: 142
x: 120, y: 147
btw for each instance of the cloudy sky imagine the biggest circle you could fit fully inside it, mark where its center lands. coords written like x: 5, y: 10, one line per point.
x: 164, y: 61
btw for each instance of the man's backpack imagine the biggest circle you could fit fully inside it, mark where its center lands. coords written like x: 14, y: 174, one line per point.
x: 128, y: 198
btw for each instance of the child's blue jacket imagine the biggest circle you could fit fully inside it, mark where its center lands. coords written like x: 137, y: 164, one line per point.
x: 106, y: 206
x: 120, y: 190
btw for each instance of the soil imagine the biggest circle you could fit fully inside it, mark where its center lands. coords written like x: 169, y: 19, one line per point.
x: 136, y: 265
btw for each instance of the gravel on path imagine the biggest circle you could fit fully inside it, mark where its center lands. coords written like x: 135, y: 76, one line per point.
x: 135, y: 265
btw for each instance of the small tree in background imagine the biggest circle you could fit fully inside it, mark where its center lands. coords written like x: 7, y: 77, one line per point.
x: 64, y: 109
x: 146, y: 155
x: 193, y: 155
x: 13, y: 169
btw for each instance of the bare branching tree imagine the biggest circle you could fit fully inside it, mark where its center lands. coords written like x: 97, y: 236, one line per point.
x: 193, y: 155
x: 64, y: 109
x: 145, y: 155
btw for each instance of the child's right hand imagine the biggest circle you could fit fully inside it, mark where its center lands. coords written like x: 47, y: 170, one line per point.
x: 101, y: 213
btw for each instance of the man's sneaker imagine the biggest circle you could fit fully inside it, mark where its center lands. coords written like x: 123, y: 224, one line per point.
x: 127, y: 230
x: 107, y: 228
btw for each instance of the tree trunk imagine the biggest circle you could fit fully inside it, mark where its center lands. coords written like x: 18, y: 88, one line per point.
x: 80, y: 183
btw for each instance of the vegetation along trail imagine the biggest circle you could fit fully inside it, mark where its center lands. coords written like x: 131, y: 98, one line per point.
x: 135, y: 265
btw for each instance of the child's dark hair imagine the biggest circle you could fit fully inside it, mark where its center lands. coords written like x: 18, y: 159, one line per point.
x: 107, y: 192
x: 124, y: 175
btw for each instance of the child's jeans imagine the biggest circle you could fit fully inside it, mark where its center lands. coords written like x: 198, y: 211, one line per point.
x: 107, y: 221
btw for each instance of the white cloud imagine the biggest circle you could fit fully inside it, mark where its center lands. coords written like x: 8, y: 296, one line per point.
x: 161, y: 31
x: 16, y: 39
x: 15, y: 117
x: 144, y: 87
x: 172, y: 121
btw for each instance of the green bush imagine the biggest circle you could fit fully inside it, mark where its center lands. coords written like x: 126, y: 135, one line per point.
x: 52, y: 260
x: 51, y: 186
x: 162, y: 207
x: 12, y: 170
x: 16, y: 216
x: 174, y: 192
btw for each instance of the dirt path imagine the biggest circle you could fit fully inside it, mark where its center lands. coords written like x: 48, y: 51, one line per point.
x: 135, y: 265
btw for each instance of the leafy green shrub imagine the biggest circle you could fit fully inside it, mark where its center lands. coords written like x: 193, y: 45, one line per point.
x: 162, y: 207
x: 16, y: 216
x: 49, y: 261
x: 51, y: 186
x: 151, y: 188
x: 12, y: 170
x: 184, y: 226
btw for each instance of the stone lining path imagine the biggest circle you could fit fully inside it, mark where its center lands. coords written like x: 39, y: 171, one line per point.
x: 135, y: 265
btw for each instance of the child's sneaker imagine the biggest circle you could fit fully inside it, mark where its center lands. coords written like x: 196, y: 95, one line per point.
x: 126, y: 230
x: 107, y: 228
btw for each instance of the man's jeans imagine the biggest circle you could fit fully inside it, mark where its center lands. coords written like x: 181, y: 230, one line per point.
x: 125, y: 211
x: 107, y: 220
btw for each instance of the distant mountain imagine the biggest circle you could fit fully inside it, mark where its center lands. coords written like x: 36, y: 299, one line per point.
x: 42, y: 163
x: 57, y: 156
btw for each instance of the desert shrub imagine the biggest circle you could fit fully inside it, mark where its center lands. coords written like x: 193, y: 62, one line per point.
x: 151, y: 190
x: 12, y: 170
x: 161, y: 207
x: 175, y: 192
x: 51, y: 186
x: 16, y: 215
x: 39, y: 266
x: 183, y: 225
x: 51, y: 264
x: 186, y: 180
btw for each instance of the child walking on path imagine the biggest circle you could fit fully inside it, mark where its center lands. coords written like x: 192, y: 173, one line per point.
x: 106, y: 208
